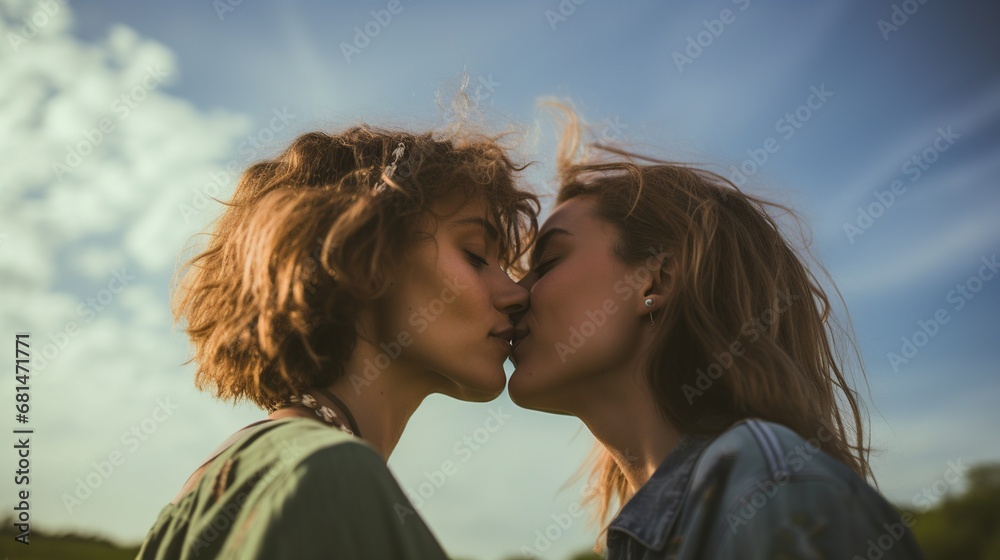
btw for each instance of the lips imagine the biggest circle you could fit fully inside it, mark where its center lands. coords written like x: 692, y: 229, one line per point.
x: 506, y: 334
x: 517, y: 336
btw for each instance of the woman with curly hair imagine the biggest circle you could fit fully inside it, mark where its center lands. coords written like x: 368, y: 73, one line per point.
x: 670, y: 314
x: 349, y: 278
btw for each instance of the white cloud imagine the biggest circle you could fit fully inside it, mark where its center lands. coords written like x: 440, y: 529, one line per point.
x: 120, y: 207
x: 103, y: 344
x: 94, y: 261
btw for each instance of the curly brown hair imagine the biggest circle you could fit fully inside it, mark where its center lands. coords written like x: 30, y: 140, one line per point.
x: 306, y: 241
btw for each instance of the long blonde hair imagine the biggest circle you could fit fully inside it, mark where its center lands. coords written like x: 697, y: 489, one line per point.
x: 733, y: 267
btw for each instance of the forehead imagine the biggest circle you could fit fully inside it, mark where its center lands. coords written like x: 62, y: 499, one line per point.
x: 572, y: 215
x: 456, y: 205
x: 456, y: 212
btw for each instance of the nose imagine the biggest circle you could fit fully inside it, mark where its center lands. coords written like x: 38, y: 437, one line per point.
x: 525, y: 283
x: 511, y: 298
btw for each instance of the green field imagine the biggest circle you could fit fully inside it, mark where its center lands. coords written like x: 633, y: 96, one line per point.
x: 45, y: 546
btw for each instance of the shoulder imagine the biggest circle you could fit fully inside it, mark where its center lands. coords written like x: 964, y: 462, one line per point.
x: 767, y: 486
x: 284, y: 444
x: 331, y: 495
x: 757, y: 461
x: 270, y: 458
x: 756, y: 449
x: 353, y: 459
x: 304, y: 458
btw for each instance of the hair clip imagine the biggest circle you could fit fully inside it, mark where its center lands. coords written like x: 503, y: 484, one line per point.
x: 391, y: 168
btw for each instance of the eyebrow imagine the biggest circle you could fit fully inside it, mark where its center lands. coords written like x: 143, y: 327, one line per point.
x: 543, y: 241
x: 491, y: 231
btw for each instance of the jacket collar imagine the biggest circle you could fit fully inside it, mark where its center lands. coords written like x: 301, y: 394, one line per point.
x: 649, y: 514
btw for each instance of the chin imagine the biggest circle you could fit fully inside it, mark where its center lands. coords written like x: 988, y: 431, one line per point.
x: 520, y: 393
x: 536, y: 389
x: 536, y: 400
x: 481, y: 386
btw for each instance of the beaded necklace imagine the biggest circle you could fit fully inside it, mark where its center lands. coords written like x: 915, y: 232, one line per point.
x: 324, y: 412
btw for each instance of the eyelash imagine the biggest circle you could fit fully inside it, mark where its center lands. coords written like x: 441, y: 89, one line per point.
x: 477, y: 261
x: 544, y: 267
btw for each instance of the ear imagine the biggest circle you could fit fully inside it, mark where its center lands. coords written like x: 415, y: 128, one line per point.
x: 654, y: 277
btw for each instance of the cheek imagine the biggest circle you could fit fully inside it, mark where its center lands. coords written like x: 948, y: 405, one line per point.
x: 579, y: 321
x: 445, y: 305
x: 455, y: 342
x: 418, y: 300
x: 465, y: 295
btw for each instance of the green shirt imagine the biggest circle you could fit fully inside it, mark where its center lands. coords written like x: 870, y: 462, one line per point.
x: 293, y: 488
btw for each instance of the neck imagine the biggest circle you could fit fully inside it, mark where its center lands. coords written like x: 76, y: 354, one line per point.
x: 628, y: 423
x: 381, y: 400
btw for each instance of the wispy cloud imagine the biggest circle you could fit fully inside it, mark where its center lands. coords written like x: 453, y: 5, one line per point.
x: 938, y: 249
x: 98, y: 157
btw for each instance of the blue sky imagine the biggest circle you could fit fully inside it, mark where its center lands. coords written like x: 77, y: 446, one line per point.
x: 927, y: 89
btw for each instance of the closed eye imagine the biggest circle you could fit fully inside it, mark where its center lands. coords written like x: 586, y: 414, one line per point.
x: 544, y: 267
x: 477, y: 261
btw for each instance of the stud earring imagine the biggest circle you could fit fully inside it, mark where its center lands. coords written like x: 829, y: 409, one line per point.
x: 649, y: 303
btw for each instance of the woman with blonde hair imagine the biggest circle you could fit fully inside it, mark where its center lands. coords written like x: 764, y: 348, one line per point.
x: 671, y: 315
x: 349, y: 278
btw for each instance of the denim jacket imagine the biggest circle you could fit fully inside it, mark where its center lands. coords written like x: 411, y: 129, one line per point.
x: 758, y: 490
